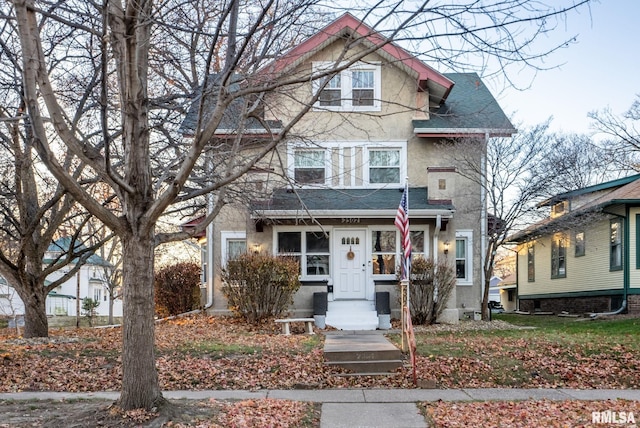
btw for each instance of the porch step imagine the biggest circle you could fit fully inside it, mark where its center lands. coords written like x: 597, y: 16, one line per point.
x: 362, y: 354
x: 368, y: 368
x: 352, y: 315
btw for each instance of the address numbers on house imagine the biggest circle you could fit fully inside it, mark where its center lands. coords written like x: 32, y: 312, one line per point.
x: 350, y: 220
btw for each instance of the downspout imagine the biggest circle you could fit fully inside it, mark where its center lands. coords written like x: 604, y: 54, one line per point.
x: 625, y: 267
x: 210, y: 257
x: 436, y: 240
x: 483, y: 222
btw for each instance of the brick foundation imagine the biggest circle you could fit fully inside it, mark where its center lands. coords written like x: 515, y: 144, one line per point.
x: 577, y: 305
x: 633, y: 304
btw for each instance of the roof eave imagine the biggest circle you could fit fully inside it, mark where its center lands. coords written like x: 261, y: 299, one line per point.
x: 463, y: 132
x: 296, y: 214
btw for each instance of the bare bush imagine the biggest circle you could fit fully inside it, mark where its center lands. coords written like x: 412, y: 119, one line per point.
x: 259, y: 286
x: 177, y: 289
x: 431, y: 285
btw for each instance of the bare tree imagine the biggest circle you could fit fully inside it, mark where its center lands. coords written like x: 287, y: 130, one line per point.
x: 517, y: 174
x: 621, y: 135
x: 133, y: 62
x: 34, y: 210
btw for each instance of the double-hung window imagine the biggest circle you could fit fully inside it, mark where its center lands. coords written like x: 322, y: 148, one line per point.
x: 531, y: 263
x: 615, y: 244
x: 464, y: 254
x: 559, y: 256
x: 234, y: 244
x: 309, y: 166
x: 356, y: 88
x: 384, y: 166
x: 383, y: 252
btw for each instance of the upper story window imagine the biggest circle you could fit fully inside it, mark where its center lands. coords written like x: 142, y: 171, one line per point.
x: 384, y: 166
x: 342, y: 164
x: 309, y: 166
x: 354, y: 89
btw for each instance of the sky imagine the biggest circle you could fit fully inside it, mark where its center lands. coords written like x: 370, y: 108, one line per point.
x: 601, y: 70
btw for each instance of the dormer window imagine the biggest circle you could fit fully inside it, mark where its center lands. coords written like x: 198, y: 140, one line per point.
x: 559, y: 209
x: 354, y: 89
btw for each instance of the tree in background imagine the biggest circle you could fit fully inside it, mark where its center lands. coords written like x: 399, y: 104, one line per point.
x: 116, y: 105
x: 177, y: 289
x: 621, y: 136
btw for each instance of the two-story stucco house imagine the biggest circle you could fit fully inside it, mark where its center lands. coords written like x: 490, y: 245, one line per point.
x: 375, y: 124
x: 585, y: 257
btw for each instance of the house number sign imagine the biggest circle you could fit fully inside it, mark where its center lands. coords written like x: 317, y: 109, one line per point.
x: 350, y: 220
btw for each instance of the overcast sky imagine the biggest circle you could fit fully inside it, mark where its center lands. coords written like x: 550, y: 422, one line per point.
x: 602, y: 69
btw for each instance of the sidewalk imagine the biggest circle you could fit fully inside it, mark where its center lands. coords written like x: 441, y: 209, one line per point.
x: 387, y: 408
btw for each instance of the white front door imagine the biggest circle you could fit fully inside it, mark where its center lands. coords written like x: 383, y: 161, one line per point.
x: 349, y: 254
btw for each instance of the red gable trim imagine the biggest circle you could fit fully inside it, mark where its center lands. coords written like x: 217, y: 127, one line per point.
x: 349, y: 22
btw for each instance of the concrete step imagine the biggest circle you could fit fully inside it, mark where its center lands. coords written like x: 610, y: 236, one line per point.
x: 362, y: 353
x: 369, y: 367
x: 352, y: 315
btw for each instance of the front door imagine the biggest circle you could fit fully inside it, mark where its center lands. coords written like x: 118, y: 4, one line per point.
x: 349, y: 280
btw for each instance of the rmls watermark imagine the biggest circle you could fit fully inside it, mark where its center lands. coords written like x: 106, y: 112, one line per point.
x: 612, y: 417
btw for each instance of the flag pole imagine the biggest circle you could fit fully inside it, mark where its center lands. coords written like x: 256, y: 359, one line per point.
x: 408, y: 273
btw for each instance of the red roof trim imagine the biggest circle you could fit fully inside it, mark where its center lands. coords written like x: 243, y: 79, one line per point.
x: 348, y: 21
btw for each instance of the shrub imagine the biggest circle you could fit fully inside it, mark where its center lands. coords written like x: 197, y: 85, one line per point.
x: 259, y: 286
x: 426, y: 277
x: 89, y: 307
x: 177, y: 289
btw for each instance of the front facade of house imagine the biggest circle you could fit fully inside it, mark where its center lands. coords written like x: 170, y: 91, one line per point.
x: 375, y: 125
x: 584, y: 258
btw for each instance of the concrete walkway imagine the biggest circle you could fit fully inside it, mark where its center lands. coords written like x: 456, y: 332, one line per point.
x: 372, y: 408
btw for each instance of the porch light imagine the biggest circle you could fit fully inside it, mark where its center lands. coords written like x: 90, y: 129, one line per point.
x: 446, y: 247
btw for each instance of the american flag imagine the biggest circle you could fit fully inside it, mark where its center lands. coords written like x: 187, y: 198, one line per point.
x: 402, y: 223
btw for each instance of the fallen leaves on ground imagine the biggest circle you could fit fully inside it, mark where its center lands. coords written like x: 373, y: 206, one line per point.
x: 533, y: 414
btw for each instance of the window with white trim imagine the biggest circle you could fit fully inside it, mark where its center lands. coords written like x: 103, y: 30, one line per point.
x: 464, y: 257
x: 233, y: 245
x: 348, y: 163
x: 386, y: 248
x: 311, y: 249
x: 384, y: 166
x: 384, y: 253
x: 615, y: 244
x: 559, y: 256
x: 356, y: 88
x: 97, y: 294
x: 309, y: 166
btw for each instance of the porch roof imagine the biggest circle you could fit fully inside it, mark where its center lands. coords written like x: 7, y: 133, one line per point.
x: 366, y: 203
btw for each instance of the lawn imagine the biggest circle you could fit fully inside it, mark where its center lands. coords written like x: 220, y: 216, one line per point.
x: 201, y: 352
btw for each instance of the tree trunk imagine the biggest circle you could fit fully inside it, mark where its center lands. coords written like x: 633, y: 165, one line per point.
x: 140, y: 387
x: 35, y: 315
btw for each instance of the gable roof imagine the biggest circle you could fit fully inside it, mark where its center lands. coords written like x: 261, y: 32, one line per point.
x: 589, y: 189
x: 365, y: 203
x: 470, y: 109
x: 63, y: 244
x: 624, y: 191
x: 234, y: 115
x: 427, y: 77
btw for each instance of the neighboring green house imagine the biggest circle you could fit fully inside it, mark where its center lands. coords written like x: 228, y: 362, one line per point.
x: 585, y: 257
x: 331, y: 204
